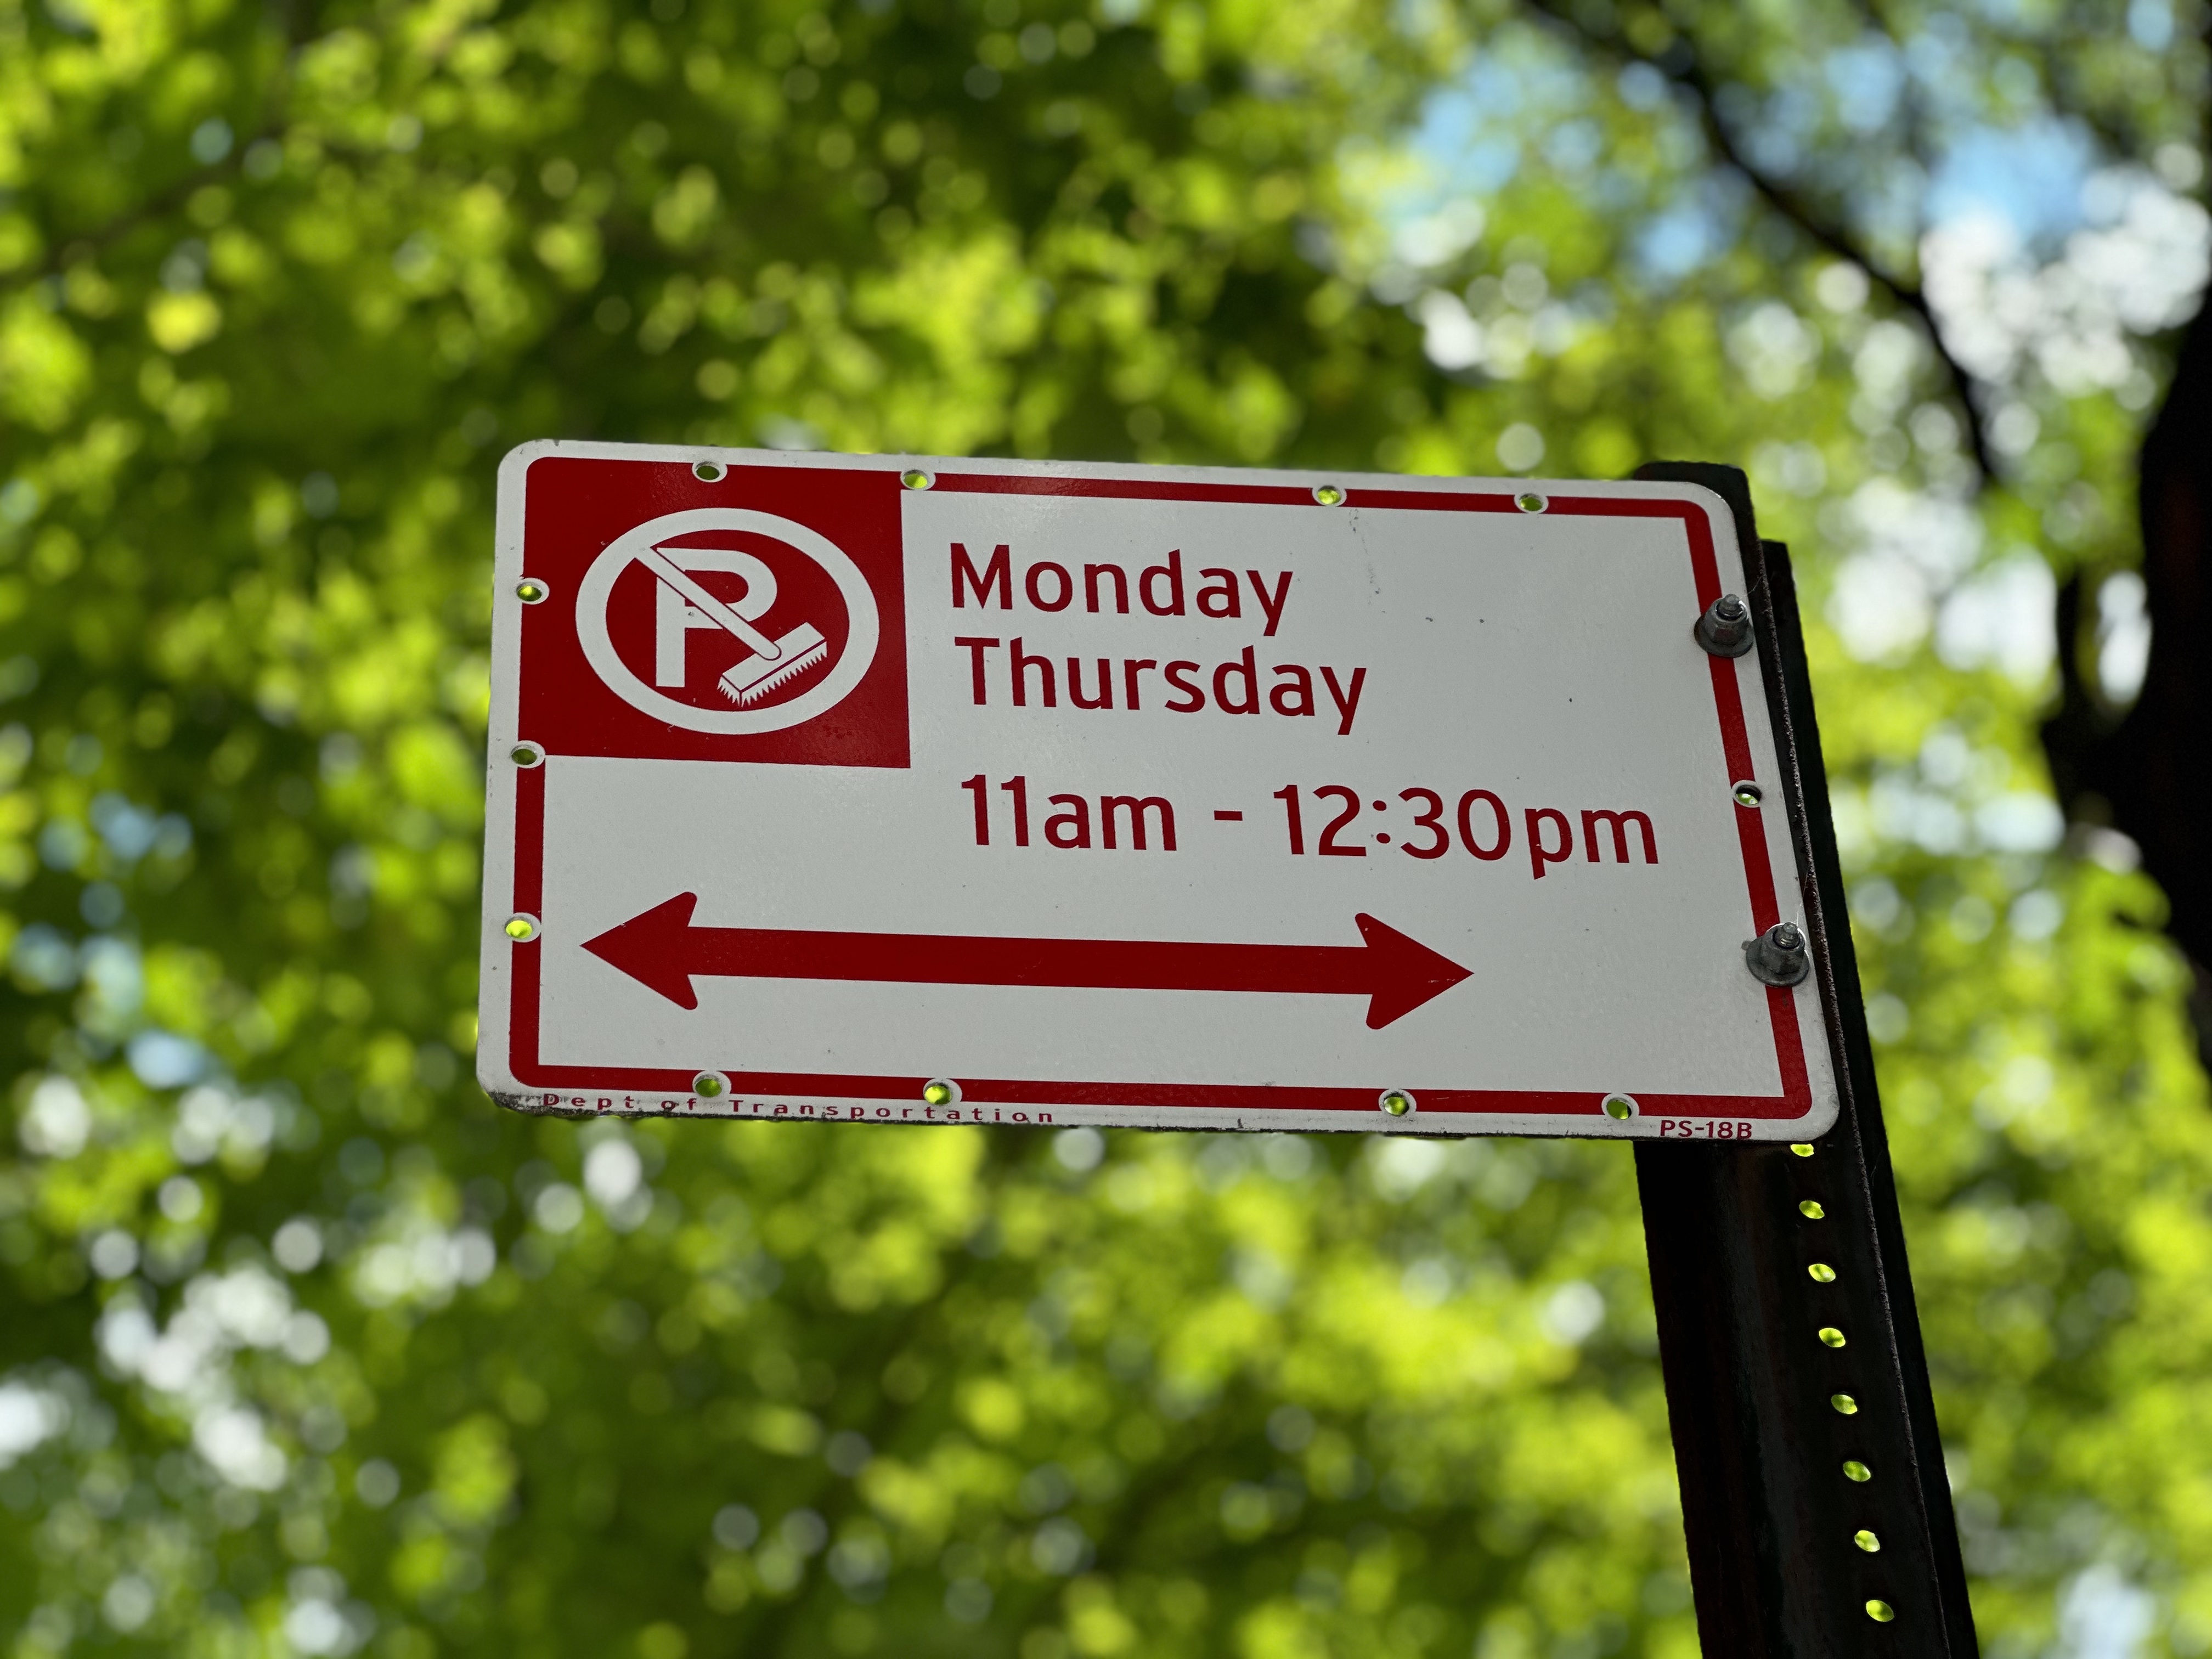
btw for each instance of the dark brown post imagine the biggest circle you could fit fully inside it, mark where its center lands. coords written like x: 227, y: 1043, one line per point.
x: 1813, y: 1491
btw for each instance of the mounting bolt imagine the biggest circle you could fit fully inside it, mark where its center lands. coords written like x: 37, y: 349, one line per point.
x: 1725, y: 629
x: 1778, y: 956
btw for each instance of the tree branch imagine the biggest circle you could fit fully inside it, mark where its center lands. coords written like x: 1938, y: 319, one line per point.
x: 62, y: 251
x: 1682, y: 68
x: 301, y: 21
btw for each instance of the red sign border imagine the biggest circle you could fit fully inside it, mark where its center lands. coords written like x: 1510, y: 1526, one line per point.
x: 1795, y: 1100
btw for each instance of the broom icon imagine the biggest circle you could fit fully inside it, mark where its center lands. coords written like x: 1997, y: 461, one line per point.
x: 773, y: 663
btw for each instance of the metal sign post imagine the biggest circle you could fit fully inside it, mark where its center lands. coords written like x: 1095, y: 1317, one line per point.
x: 1813, y: 1491
x: 917, y: 792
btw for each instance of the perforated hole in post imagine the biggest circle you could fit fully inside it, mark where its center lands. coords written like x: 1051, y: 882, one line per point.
x: 1844, y: 1401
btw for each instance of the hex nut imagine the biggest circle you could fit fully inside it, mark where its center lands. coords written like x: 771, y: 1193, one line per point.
x: 1725, y: 629
x: 1778, y: 956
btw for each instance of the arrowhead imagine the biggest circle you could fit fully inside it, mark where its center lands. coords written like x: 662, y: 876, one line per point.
x: 654, y: 949
x: 1403, y: 973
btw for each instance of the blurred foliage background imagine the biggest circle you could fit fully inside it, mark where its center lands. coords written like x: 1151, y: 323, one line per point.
x: 307, y: 1349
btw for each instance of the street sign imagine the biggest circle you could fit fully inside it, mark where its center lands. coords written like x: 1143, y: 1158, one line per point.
x: 921, y: 791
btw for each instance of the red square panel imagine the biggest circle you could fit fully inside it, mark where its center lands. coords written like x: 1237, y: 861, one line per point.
x: 663, y: 587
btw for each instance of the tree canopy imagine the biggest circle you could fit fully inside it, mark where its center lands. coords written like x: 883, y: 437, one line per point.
x: 310, y: 1349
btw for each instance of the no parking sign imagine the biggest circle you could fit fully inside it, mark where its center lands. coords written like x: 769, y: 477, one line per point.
x: 897, y: 790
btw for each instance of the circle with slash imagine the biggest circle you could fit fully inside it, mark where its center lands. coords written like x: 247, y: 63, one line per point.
x: 825, y: 693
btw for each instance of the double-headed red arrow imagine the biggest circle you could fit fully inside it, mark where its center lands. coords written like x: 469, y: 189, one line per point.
x: 661, y: 949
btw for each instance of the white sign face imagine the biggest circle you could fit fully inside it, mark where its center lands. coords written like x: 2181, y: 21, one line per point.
x: 876, y: 790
